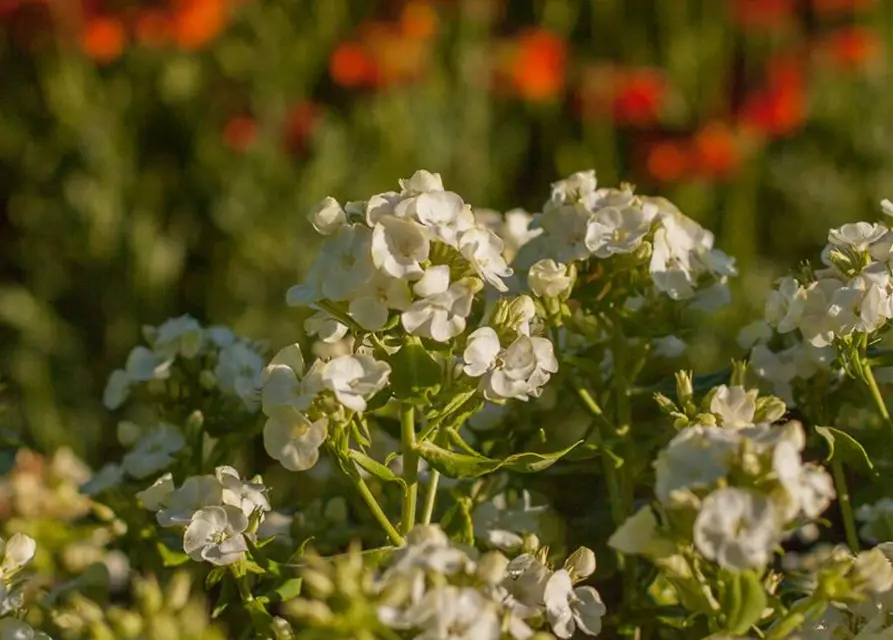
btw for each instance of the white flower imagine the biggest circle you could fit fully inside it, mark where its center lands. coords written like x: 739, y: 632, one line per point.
x: 501, y: 525
x: 283, y: 385
x: 325, y: 327
x: 441, y: 313
x: 238, y: 371
x: 639, y: 535
x: 734, y: 406
x: 178, y: 336
x: 372, y: 303
x: 15, y: 629
x: 697, y: 457
x: 422, y: 181
x: 483, y: 249
x: 578, y: 187
x: 399, y: 246
x: 196, y: 493
x: 564, y: 230
x: 247, y: 496
x: 815, y: 324
x: 117, y: 389
x: 16, y: 552
x: 328, y: 216
x: 668, y: 347
x: 521, y: 312
x: 144, y: 365
x: 455, y: 613
x: 154, y: 451
x: 215, y: 534
x: 354, y: 379
x: 856, y: 235
x: 887, y: 207
x: 568, y: 609
x: 737, y: 528
x: 344, y: 263
x: 671, y: 267
x: 516, y: 372
x: 443, y: 214
x: 878, y: 519
x: 757, y: 332
x: 614, y: 230
x: 784, y: 305
x: 292, y: 439
x: 549, y: 279
x: 156, y: 497
x: 106, y: 478
x: 428, y: 548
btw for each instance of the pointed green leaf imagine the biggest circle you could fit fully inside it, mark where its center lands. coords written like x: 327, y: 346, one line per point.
x: 214, y: 576
x: 745, y: 600
x: 169, y: 557
x: 376, y: 468
x: 847, y: 449
x: 457, y: 465
x: 536, y: 462
x: 288, y: 590
x: 414, y: 371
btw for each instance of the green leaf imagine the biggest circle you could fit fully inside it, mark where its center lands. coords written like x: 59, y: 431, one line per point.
x: 228, y: 595
x: 215, y: 576
x: 847, y: 449
x: 453, y: 464
x: 376, y: 468
x: 169, y: 557
x: 744, y: 602
x: 414, y: 371
x: 288, y: 590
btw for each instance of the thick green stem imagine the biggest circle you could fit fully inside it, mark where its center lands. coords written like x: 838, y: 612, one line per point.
x: 608, y: 468
x: 430, y: 496
x: 846, y: 506
x: 875, y: 391
x: 410, y: 466
x: 376, y: 509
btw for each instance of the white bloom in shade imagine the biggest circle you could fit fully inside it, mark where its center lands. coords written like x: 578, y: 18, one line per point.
x: 516, y: 372
x: 15, y: 629
x: 668, y: 347
x: 638, y: 535
x: 344, y: 263
x: 502, y: 525
x: 856, y: 235
x: 441, y: 313
x: 144, y: 365
x: 399, y: 246
x: 578, y: 187
x: 283, y: 385
x: 428, y: 548
x: 292, y: 439
x: 16, y: 552
x: 443, y: 214
x: 156, y: 497
x: 737, y: 528
x: 117, y: 389
x: 238, y: 371
x: 697, y: 457
x: 220, y: 336
x: 516, y: 232
x: 178, y: 336
x: 325, y: 327
x: 815, y: 491
x: 381, y: 205
x: 815, y: 325
x: 328, y: 216
x: 877, y: 519
x: 247, y: 496
x: 568, y: 609
x: 354, y: 379
x: 784, y: 305
x: 483, y: 249
x: 564, y: 230
x: 887, y: 207
x: 373, y: 302
x: 481, y: 352
x: 521, y: 312
x: 108, y: 477
x: 734, y: 406
x: 455, y: 613
x: 215, y: 535
x: 196, y: 493
x: 671, y: 267
x: 613, y: 231
x: 154, y: 451
x: 549, y: 279
x: 422, y: 181
x: 757, y: 332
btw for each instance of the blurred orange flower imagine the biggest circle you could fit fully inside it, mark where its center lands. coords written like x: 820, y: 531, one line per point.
x: 196, y: 22
x: 716, y: 153
x: 418, y: 20
x: 537, y: 67
x: 762, y: 14
x: 638, y: 97
x: 851, y: 47
x: 351, y: 66
x: 239, y: 133
x: 103, y: 38
x: 779, y: 108
x: 152, y: 27
x: 837, y: 7
x: 668, y: 160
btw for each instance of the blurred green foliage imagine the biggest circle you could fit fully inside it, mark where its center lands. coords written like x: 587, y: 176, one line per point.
x: 169, y: 180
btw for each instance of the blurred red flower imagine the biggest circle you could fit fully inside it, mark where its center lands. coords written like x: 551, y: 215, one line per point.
x: 851, y: 47
x: 837, y: 7
x: 419, y: 20
x: 239, y: 133
x: 537, y: 67
x: 762, y: 14
x: 300, y: 122
x: 715, y: 149
x: 197, y: 22
x: 350, y: 66
x: 779, y: 108
x: 103, y: 38
x: 668, y: 160
x: 638, y: 96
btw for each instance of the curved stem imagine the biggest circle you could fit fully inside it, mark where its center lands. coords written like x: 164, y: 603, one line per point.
x: 430, y: 496
x: 376, y: 509
x: 875, y: 391
x: 846, y: 506
x: 410, y: 466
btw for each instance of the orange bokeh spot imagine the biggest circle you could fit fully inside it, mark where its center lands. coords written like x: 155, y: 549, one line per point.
x: 197, y: 22
x: 762, y: 14
x: 351, y: 66
x: 779, y: 108
x: 103, y: 38
x: 668, y: 160
x: 837, y: 7
x: 418, y: 20
x: 152, y: 27
x: 239, y: 133
x: 538, y: 68
x: 852, y: 47
x: 716, y: 151
x: 638, y: 97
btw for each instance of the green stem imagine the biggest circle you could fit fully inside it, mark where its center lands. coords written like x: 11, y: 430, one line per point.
x: 846, y: 506
x: 410, y: 466
x: 430, y: 496
x: 376, y: 509
x: 608, y: 468
x: 876, y: 393
x: 624, y: 424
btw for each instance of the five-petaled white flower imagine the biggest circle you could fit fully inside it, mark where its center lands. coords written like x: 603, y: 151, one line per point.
x: 443, y: 308
x: 216, y: 534
x: 483, y: 249
x: 355, y: 378
x: 549, y: 279
x: 569, y: 608
x: 737, y: 528
x: 399, y: 246
x: 292, y: 439
x: 519, y: 371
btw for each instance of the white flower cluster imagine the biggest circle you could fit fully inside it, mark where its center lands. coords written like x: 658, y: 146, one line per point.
x: 457, y: 595
x: 235, y: 364
x: 506, y: 524
x: 877, y: 521
x: 418, y: 252
x: 581, y: 221
x: 15, y: 553
x: 218, y: 513
x: 299, y: 405
x: 743, y: 483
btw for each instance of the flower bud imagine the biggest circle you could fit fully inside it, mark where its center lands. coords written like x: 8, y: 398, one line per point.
x: 327, y: 217
x: 313, y: 611
x: 282, y: 630
x: 871, y: 572
x: 318, y: 583
x: 128, y: 433
x: 178, y: 591
x: 666, y: 405
x: 684, y: 390
x: 491, y: 568
x: 207, y: 380
x: 580, y: 564
x: 530, y: 544
x: 549, y: 279
x: 769, y: 409
x: 195, y: 421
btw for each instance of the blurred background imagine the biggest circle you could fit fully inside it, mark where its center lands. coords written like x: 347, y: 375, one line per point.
x: 159, y: 157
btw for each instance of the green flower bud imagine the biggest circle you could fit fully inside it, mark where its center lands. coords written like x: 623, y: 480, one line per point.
x: 580, y: 564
